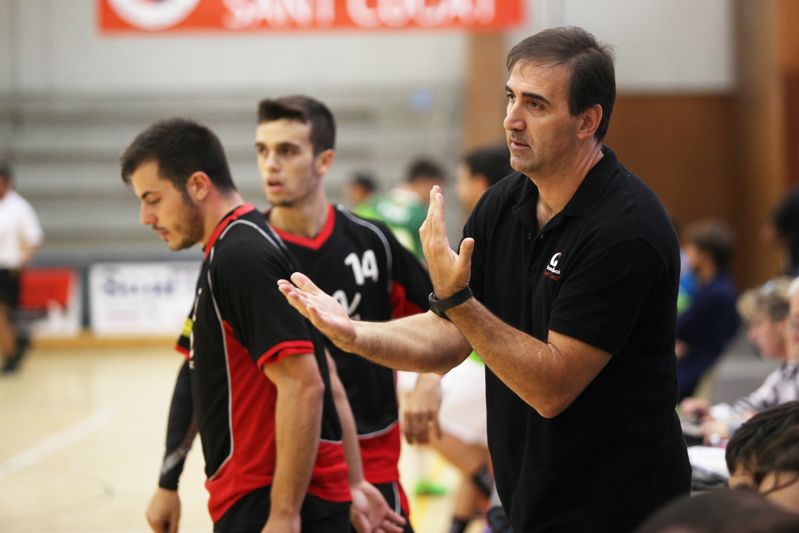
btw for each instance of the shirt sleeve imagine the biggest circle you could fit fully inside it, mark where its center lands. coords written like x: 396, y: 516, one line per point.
x: 245, y: 287
x: 180, y: 431
x: 761, y: 398
x: 410, y: 284
x: 183, y: 344
x: 603, y: 295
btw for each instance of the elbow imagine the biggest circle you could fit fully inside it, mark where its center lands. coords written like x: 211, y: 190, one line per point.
x: 443, y: 365
x: 552, y: 407
x: 316, y: 388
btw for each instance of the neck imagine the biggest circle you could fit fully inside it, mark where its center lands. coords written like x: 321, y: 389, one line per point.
x: 220, y: 205
x: 557, y: 188
x: 306, y: 219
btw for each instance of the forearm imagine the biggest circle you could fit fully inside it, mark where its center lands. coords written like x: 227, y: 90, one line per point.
x: 531, y: 368
x: 418, y: 343
x: 352, y: 449
x: 298, y: 419
x: 27, y: 254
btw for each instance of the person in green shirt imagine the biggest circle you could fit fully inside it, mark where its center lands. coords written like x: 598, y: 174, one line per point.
x: 404, y: 207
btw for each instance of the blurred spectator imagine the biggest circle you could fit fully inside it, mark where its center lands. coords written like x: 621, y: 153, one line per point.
x: 404, y: 207
x: 721, y: 511
x: 783, y: 228
x: 480, y: 169
x: 710, y: 323
x: 764, y: 455
x: 20, y: 237
x: 360, y: 188
x: 766, y: 311
x: 688, y: 285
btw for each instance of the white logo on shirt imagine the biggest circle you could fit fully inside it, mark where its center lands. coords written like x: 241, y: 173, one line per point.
x: 553, y: 263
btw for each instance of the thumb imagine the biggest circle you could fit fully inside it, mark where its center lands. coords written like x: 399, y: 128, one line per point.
x: 464, y: 260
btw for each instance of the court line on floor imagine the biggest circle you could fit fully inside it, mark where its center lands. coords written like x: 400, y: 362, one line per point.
x: 58, y: 441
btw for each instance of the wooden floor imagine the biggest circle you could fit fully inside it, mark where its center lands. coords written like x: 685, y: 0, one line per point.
x: 81, y: 438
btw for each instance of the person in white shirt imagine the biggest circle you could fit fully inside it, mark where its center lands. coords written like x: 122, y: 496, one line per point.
x: 20, y: 236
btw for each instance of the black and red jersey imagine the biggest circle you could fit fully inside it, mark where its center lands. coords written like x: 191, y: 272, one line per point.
x: 363, y: 266
x: 241, y: 322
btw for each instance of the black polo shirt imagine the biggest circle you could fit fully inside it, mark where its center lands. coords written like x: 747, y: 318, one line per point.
x: 604, y: 271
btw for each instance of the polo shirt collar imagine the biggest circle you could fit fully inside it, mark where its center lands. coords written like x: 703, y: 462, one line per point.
x: 592, y: 187
x: 584, y: 198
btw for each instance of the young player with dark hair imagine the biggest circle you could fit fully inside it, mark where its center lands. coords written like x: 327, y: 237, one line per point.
x: 259, y: 384
x: 360, y: 262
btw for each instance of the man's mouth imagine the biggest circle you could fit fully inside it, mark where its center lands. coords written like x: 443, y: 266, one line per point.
x: 274, y: 185
x: 517, y: 144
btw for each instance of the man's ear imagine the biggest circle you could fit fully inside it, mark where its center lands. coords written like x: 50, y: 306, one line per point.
x: 198, y: 186
x: 324, y: 161
x: 590, y: 119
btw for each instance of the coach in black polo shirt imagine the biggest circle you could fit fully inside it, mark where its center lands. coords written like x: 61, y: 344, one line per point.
x: 573, y: 265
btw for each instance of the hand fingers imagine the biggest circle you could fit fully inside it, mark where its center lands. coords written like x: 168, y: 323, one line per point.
x: 284, y: 285
x: 392, y: 522
x: 390, y: 528
x: 360, y: 522
x: 437, y: 428
x: 406, y: 428
x: 395, y: 518
x: 413, y: 433
x: 304, y: 283
x: 295, y: 299
x: 418, y: 427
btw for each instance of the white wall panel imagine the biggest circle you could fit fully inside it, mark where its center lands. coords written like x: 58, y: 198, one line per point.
x: 661, y: 45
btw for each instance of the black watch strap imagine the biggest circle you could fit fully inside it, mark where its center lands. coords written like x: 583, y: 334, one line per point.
x: 440, y: 307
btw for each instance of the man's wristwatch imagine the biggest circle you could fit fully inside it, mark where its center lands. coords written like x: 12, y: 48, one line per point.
x: 440, y: 307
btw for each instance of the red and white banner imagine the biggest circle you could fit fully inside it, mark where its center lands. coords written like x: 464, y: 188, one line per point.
x: 132, y: 16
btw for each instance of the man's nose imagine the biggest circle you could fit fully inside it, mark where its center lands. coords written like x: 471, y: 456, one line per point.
x: 513, y: 120
x: 270, y: 161
x: 146, y: 216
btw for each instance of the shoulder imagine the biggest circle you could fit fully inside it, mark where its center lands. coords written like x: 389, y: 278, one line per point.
x: 629, y: 210
x: 16, y: 200
x: 358, y: 222
x: 247, y: 244
x: 366, y: 229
